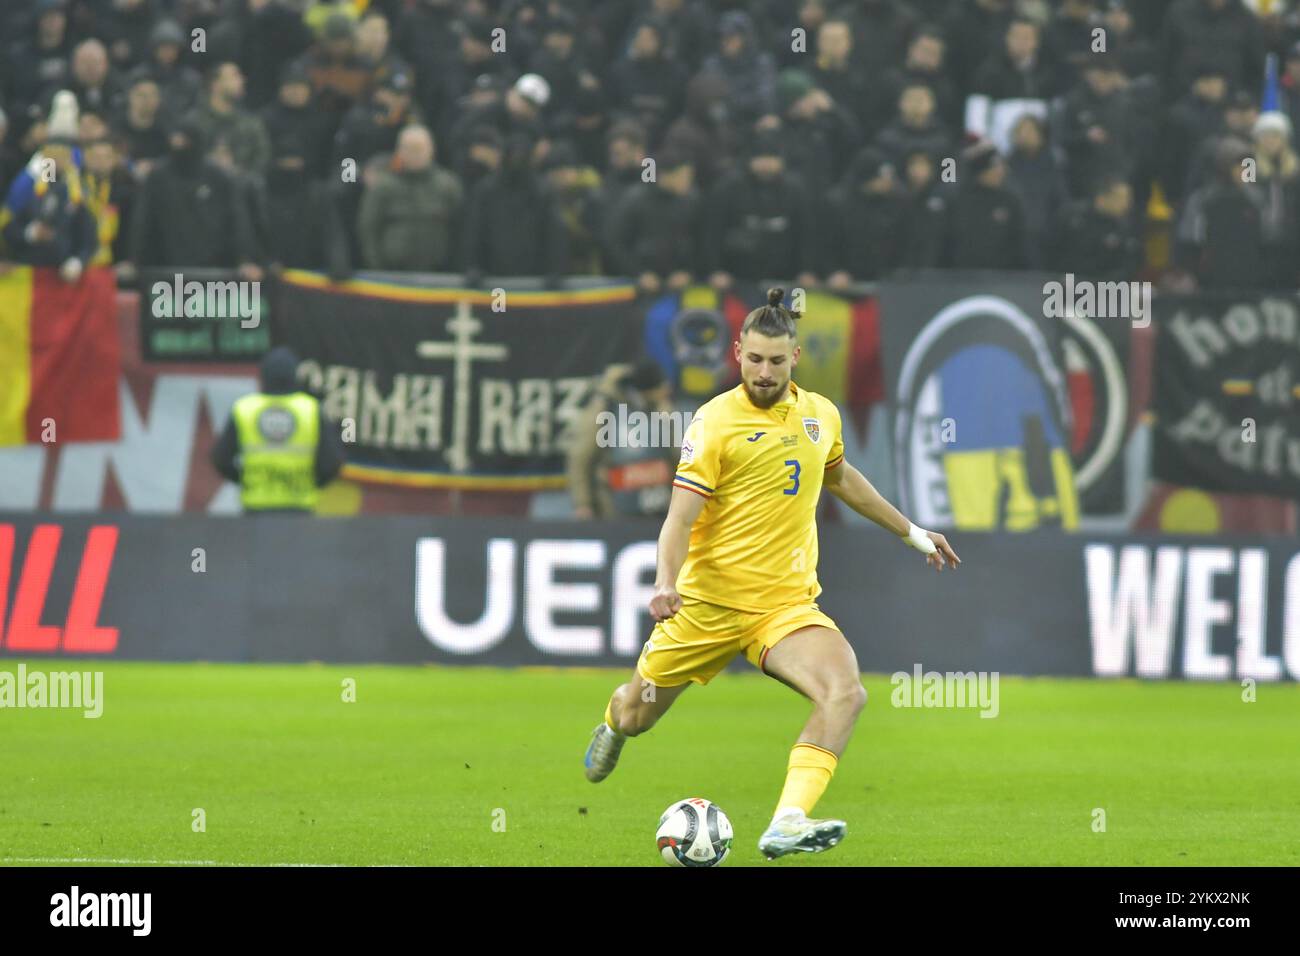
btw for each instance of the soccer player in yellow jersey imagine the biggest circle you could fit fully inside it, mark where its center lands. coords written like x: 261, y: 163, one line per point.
x: 737, y: 571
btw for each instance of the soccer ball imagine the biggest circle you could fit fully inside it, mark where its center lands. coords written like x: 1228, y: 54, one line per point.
x: 694, y: 832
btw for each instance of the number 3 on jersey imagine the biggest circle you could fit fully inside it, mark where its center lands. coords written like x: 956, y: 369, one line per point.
x: 793, y: 477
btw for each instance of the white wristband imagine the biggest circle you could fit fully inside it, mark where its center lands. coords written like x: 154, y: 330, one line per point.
x: 919, y: 538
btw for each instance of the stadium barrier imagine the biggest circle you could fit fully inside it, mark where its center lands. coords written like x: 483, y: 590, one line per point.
x: 500, y: 592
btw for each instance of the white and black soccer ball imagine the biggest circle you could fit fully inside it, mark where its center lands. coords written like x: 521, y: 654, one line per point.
x: 694, y: 832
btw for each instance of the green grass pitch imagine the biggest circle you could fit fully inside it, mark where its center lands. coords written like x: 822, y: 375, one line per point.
x: 479, y: 766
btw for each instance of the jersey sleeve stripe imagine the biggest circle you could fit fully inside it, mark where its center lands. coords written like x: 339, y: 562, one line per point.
x: 694, y: 484
x: 832, y: 464
x: 689, y: 488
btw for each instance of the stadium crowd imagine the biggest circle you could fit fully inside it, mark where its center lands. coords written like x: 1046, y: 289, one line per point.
x: 829, y: 142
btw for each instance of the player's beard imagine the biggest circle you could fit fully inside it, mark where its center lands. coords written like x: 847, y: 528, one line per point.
x: 766, y: 397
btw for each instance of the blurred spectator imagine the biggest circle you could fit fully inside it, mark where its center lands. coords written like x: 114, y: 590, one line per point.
x: 109, y: 191
x: 656, y: 233
x: 1017, y: 71
x: 1137, y: 52
x: 1068, y: 40
x: 339, y: 77
x: 821, y: 136
x: 881, y: 29
x: 924, y: 64
x: 610, y: 474
x: 512, y: 226
x: 1197, y: 114
x: 180, y: 85
x: 865, y: 216
x: 987, y: 226
x: 647, y: 85
x: 189, y: 212
x: 927, y: 199
x: 374, y: 49
x: 1220, y: 237
x: 576, y: 191
x: 916, y: 128
x: 267, y: 35
x: 1289, y: 86
x: 221, y: 119
x: 296, y: 129
x: 124, y: 27
x: 760, y: 220
x: 519, y: 112
x: 46, y: 219
x: 11, y: 161
x: 410, y: 216
x: 1239, y: 118
x: 373, y: 126
x: 1035, y: 175
x: 482, y: 156
x: 835, y: 73
x: 37, y: 63
x: 975, y: 30
x: 1098, y: 122
x: 705, y: 131
x: 1278, y: 183
x: 1100, y: 241
x: 1222, y: 30
x: 749, y: 72
x: 141, y: 125
x: 93, y: 82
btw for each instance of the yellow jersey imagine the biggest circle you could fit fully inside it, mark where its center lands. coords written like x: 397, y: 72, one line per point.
x: 754, y: 545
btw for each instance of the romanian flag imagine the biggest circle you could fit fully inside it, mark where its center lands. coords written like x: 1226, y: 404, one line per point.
x: 60, y: 356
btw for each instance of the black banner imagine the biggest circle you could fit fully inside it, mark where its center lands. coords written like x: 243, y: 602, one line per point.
x: 981, y: 405
x: 1227, y: 393
x: 493, y: 591
x: 453, y: 387
x: 203, y: 315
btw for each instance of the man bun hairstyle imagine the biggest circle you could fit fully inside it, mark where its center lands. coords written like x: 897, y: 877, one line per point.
x: 773, y: 319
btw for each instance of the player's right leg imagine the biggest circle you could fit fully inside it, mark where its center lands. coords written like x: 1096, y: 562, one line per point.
x: 634, y: 708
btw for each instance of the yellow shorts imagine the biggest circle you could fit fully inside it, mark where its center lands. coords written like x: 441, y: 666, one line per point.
x: 697, y: 642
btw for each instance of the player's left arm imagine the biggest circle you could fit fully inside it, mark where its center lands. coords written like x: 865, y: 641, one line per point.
x: 852, y: 487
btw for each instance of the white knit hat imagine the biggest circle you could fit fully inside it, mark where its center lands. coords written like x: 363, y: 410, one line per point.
x: 62, y: 125
x: 1273, y: 120
x: 533, y: 88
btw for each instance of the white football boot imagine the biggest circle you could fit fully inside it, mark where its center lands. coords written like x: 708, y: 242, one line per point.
x: 795, y: 833
x: 602, y: 752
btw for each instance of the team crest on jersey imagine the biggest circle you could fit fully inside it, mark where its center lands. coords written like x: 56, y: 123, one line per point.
x: 813, y: 428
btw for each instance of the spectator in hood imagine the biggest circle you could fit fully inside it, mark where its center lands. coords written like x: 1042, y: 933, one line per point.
x: 296, y: 128
x: 575, y: 187
x: 373, y: 126
x: 1220, y: 238
x: 1239, y: 117
x: 987, y: 226
x: 36, y: 63
x: 191, y: 213
x: 748, y: 70
x: 277, y: 444
x: 646, y: 83
x: 761, y: 220
x: 656, y: 233
x: 1196, y: 114
x: 1195, y: 30
x: 512, y: 224
x: 519, y: 113
x: 181, y: 85
x: 865, y: 216
x: 707, y: 131
x: 1100, y: 239
x: 1037, y: 177
x: 820, y: 134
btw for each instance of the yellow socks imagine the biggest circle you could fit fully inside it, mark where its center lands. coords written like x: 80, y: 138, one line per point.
x: 609, y: 716
x: 809, y: 773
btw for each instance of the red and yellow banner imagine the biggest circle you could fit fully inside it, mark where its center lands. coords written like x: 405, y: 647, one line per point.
x: 60, y: 356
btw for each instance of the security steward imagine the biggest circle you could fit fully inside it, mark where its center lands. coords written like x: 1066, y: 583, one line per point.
x: 277, y: 444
